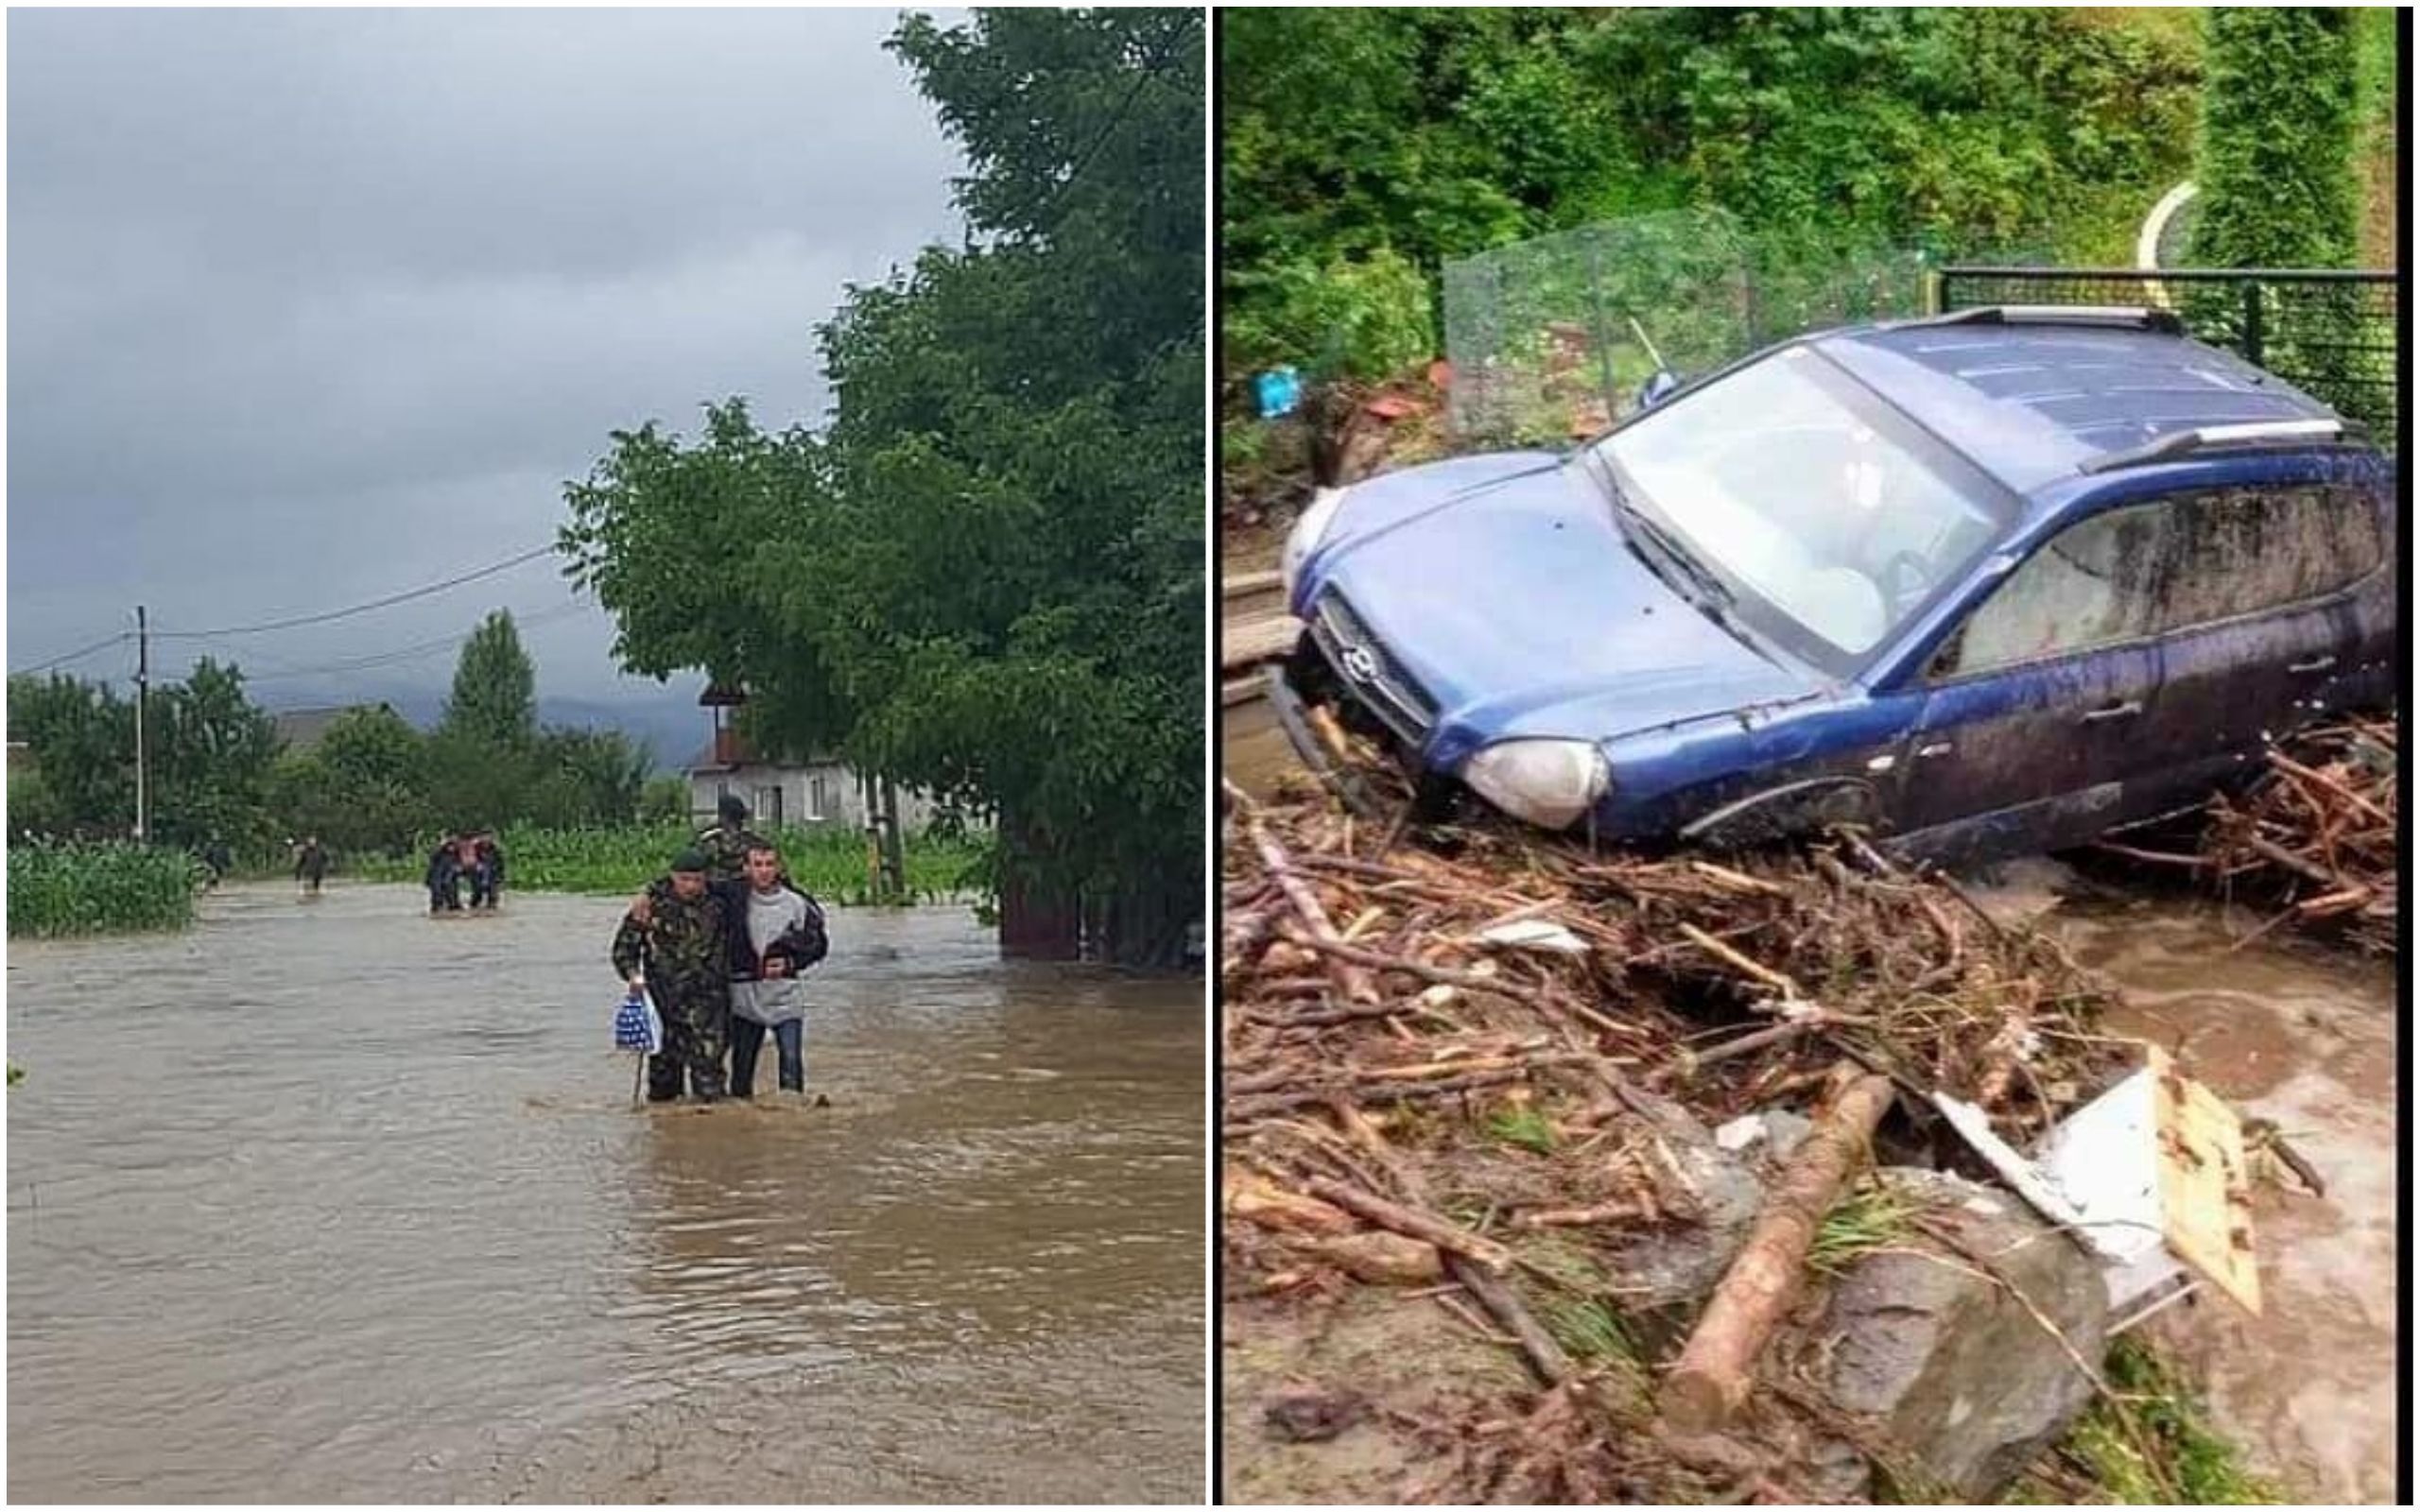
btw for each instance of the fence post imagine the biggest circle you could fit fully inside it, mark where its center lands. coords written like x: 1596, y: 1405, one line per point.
x: 2252, y: 334
x: 1933, y: 279
x: 1603, y: 336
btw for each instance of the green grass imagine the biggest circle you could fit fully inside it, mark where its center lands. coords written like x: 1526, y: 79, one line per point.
x: 1592, y: 1332
x: 1868, y: 1217
x: 1523, y: 1126
x: 2187, y: 1461
x: 831, y: 865
x: 103, y: 889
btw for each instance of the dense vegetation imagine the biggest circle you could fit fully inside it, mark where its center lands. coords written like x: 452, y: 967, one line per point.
x: 371, y: 782
x: 2276, y: 169
x: 983, y: 578
x: 1366, y: 148
x: 833, y: 865
x: 93, y: 888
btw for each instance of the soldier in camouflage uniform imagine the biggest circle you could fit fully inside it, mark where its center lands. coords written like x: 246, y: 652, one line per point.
x: 726, y: 846
x: 683, y: 948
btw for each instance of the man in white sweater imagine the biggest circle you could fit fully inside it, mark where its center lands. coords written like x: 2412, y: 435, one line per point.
x: 785, y: 936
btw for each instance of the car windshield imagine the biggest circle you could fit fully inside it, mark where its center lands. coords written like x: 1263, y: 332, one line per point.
x: 1791, y: 481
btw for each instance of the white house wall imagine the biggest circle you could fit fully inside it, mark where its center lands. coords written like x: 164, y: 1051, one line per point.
x: 841, y: 795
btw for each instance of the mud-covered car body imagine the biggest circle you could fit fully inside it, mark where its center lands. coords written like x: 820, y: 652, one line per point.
x: 1983, y: 583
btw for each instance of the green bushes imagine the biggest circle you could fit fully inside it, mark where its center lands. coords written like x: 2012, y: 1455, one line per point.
x: 1359, y: 141
x: 70, y: 888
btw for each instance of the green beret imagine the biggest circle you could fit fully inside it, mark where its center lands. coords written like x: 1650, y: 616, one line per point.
x: 690, y: 859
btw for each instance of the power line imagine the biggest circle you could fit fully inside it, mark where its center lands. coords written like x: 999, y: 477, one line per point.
x: 489, y: 570
x: 78, y: 655
x: 409, y: 653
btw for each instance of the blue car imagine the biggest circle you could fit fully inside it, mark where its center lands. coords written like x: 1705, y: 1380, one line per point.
x: 1989, y: 582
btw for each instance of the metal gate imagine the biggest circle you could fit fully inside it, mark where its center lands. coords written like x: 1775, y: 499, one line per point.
x: 2332, y: 334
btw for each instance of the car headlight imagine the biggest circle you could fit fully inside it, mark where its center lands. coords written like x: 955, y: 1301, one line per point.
x: 1546, y: 783
x: 1305, y: 536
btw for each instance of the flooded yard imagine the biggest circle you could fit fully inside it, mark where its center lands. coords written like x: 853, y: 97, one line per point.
x: 330, y: 1201
x: 2306, y: 1040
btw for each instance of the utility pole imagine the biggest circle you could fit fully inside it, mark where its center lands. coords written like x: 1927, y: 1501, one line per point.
x: 142, y: 692
x: 895, y: 858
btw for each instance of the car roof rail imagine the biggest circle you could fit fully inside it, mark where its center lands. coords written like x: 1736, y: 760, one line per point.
x: 2203, y: 438
x: 2131, y: 317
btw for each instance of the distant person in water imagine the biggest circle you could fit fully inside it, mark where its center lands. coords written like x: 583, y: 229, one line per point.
x: 310, y: 863
x: 217, y: 860
x: 444, y: 878
x: 487, y: 871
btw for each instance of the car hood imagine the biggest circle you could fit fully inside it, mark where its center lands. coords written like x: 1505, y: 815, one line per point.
x: 1504, y: 587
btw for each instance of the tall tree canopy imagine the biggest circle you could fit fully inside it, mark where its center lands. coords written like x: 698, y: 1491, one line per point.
x: 494, y: 698
x: 984, y: 578
x: 2277, y: 136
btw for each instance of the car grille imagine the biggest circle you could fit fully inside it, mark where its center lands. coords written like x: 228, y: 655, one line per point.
x: 1363, y: 666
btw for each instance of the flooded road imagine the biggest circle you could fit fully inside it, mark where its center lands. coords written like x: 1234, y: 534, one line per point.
x: 335, y: 1202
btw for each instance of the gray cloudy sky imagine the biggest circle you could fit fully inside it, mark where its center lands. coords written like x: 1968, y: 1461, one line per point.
x: 310, y: 307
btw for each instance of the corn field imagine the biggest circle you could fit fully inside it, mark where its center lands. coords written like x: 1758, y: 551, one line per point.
x: 833, y: 865
x: 75, y: 887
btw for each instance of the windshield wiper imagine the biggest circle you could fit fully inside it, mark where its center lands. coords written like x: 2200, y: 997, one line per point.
x: 1710, y: 588
x: 1682, y: 568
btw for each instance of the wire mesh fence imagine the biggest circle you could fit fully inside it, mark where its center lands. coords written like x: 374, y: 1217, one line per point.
x: 2332, y: 334
x: 1553, y: 338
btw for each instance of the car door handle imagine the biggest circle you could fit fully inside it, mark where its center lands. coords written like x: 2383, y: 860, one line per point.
x: 1939, y: 747
x: 2116, y: 711
x: 2317, y: 664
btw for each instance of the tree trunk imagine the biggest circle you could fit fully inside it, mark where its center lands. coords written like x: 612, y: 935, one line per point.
x: 1711, y: 1380
x: 1039, y: 922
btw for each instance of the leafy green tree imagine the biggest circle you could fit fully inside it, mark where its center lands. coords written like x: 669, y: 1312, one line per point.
x: 584, y: 777
x: 984, y: 580
x: 495, y: 700
x: 82, y: 739
x: 664, y: 798
x: 364, y: 788
x: 210, y: 750
x: 2276, y: 172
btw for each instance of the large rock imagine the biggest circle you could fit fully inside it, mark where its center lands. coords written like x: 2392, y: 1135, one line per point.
x: 1958, y: 1374
x: 1664, y: 1271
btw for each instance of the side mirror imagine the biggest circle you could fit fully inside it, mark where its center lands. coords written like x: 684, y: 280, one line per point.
x: 1657, y: 388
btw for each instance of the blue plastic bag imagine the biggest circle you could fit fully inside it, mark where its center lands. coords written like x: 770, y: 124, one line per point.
x: 637, y: 1026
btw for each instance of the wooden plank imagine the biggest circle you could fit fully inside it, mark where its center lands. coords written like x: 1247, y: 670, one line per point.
x: 2204, y: 1184
x: 1257, y: 640
x: 1240, y: 585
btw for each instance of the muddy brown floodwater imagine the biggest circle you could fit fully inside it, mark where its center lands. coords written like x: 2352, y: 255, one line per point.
x: 330, y: 1201
x: 2306, y: 1038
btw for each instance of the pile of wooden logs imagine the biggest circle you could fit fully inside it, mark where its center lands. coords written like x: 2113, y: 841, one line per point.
x: 2319, y: 829
x: 1457, y: 1071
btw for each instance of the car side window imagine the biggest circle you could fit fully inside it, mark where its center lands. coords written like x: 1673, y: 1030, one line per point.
x: 2095, y: 583
x: 2239, y: 551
